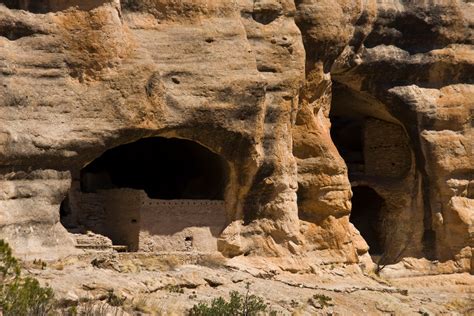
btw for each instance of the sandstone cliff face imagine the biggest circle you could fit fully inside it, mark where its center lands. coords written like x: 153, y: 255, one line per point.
x: 258, y: 83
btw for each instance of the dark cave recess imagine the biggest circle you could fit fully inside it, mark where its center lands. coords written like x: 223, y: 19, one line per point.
x: 164, y: 168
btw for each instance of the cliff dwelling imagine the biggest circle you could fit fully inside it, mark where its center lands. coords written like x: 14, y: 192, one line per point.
x: 155, y: 194
x: 302, y: 146
x: 377, y: 153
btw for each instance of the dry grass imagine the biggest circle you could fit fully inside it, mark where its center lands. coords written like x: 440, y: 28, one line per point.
x: 465, y: 307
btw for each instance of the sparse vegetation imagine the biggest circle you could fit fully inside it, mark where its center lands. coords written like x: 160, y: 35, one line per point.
x: 114, y: 300
x: 323, y: 300
x: 94, y: 308
x: 140, y: 304
x: 238, y: 305
x: 40, y: 264
x: 174, y: 288
x: 21, y: 295
x: 145, y: 304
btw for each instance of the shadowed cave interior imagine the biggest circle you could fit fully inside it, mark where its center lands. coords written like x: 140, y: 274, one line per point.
x: 366, y: 217
x: 347, y: 134
x: 163, y: 168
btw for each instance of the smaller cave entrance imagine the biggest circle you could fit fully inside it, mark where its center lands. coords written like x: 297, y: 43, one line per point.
x: 367, y: 217
x: 380, y: 162
x: 154, y: 194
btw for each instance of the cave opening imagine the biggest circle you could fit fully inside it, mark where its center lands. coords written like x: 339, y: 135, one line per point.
x: 149, y: 195
x: 367, y: 217
x: 378, y: 156
x: 164, y: 168
x: 45, y: 6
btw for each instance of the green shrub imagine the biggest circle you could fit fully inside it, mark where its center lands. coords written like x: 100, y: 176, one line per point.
x: 20, y: 296
x: 9, y: 267
x: 323, y: 300
x: 238, y: 305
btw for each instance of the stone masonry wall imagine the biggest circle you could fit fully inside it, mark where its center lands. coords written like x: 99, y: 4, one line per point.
x: 130, y: 218
x: 386, y: 150
x: 181, y: 225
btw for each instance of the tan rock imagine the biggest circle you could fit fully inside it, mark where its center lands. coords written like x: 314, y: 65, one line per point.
x: 299, y: 120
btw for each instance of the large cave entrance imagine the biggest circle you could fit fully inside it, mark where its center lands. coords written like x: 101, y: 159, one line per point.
x: 154, y: 194
x: 367, y: 217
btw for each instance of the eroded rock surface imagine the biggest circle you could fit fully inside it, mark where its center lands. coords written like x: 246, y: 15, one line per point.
x: 306, y: 103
